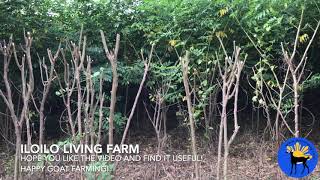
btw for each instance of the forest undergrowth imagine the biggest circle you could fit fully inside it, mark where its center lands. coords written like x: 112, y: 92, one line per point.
x: 251, y: 158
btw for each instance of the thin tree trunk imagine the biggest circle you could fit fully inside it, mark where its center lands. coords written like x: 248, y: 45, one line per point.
x: 46, y: 88
x: 296, y: 106
x: 28, y: 131
x: 113, y: 101
x: 112, y: 57
x: 230, y: 75
x: 226, y: 148
x: 146, y: 69
x: 18, y: 152
x: 185, y: 61
x: 219, y: 149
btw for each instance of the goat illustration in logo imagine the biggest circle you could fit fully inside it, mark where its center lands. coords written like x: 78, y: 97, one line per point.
x: 298, y: 156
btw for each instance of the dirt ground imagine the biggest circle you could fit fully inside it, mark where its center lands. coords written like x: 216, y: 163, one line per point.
x: 250, y: 158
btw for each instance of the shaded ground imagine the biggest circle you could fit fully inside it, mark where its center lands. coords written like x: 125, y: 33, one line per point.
x: 250, y: 158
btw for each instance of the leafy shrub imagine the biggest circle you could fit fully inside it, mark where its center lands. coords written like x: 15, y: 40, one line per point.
x: 119, y: 120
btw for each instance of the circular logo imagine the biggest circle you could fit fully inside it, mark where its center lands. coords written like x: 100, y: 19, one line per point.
x: 297, y: 157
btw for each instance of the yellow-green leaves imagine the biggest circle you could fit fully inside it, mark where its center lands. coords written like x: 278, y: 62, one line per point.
x: 303, y: 38
x: 221, y: 34
x: 173, y: 42
x: 223, y: 11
